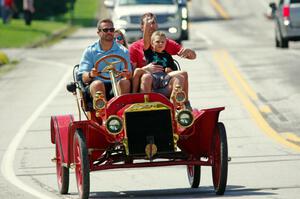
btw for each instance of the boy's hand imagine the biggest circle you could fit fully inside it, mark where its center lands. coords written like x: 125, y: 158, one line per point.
x: 153, y: 68
x: 126, y: 74
x: 168, y: 70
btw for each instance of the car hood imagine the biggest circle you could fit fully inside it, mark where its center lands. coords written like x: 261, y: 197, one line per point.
x: 142, y: 9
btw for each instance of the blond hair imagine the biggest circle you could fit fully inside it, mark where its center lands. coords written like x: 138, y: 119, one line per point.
x: 158, y: 33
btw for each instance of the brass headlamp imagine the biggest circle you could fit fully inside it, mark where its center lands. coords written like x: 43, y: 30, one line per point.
x: 99, y: 103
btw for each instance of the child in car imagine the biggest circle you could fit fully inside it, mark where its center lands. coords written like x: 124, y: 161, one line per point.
x: 154, y: 51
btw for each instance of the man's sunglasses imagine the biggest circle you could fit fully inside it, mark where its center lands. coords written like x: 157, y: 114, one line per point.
x: 107, y: 30
x: 119, y: 38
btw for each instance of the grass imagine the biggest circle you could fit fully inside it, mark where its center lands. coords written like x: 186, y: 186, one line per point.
x: 16, y: 34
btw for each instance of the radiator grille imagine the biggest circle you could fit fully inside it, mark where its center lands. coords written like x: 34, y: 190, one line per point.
x: 145, y: 127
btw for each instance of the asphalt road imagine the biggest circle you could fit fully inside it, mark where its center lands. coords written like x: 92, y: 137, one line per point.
x: 237, y: 67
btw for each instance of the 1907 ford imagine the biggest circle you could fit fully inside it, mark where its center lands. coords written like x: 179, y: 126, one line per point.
x: 136, y: 130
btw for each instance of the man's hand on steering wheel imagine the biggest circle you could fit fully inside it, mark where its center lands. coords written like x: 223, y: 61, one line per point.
x: 93, y: 73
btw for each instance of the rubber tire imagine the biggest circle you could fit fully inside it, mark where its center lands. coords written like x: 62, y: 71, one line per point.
x: 284, y: 43
x: 220, y: 166
x: 81, y: 160
x: 277, y: 44
x: 62, y: 173
x: 194, y: 175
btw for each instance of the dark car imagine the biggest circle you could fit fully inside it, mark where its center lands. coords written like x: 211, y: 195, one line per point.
x: 287, y: 22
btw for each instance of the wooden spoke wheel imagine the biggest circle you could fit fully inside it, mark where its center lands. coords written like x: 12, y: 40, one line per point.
x: 81, y: 160
x: 220, y: 161
x: 111, y: 65
x: 61, y: 172
x: 194, y: 175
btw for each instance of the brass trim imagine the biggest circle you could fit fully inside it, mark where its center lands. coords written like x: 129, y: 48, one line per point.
x: 150, y: 150
x: 185, y: 110
x: 175, y: 140
x: 109, y: 118
x: 146, y: 98
x: 99, y: 96
x: 125, y: 144
x: 149, y: 106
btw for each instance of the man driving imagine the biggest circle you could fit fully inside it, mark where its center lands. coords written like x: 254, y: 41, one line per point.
x: 105, y: 46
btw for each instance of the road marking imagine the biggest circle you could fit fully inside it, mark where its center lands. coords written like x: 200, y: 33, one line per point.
x: 7, y: 166
x: 237, y: 74
x: 249, y: 105
x: 291, y: 136
x: 265, y: 109
x: 219, y: 9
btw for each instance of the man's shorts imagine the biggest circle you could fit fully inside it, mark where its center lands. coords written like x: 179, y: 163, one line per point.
x: 160, y: 83
x: 108, y: 90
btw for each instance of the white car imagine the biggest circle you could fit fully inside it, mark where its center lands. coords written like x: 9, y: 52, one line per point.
x: 126, y: 16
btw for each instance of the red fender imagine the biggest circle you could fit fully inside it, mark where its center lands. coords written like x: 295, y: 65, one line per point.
x: 59, y: 133
x: 197, y: 139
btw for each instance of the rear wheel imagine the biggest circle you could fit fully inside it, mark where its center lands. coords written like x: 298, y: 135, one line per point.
x: 280, y: 41
x: 194, y: 175
x: 277, y: 42
x: 284, y: 43
x: 61, y: 172
x: 81, y: 160
x: 220, y: 163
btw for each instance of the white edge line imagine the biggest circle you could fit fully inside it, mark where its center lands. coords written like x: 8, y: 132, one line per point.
x: 7, y: 165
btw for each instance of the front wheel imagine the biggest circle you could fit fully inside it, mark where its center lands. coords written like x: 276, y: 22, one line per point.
x: 81, y: 160
x: 194, y: 175
x: 220, y: 163
x: 62, y: 172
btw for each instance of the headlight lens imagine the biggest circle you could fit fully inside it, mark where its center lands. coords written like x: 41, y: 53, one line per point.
x: 99, y: 104
x: 180, y: 97
x: 114, y: 124
x: 185, y: 118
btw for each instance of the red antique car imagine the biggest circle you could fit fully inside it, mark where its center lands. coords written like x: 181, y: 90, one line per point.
x: 136, y: 130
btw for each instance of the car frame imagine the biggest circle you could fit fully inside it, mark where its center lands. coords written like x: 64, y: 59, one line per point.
x: 136, y: 130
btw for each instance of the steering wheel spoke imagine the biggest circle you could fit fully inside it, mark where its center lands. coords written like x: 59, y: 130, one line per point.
x: 111, y: 66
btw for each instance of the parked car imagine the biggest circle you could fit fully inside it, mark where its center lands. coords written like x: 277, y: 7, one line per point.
x: 170, y: 15
x: 287, y: 22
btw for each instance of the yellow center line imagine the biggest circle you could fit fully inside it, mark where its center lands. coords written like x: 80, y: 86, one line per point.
x: 225, y: 64
x: 236, y: 73
x: 291, y: 136
x: 219, y: 9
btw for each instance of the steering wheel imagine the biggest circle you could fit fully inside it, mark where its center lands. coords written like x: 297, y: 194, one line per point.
x: 110, y: 66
